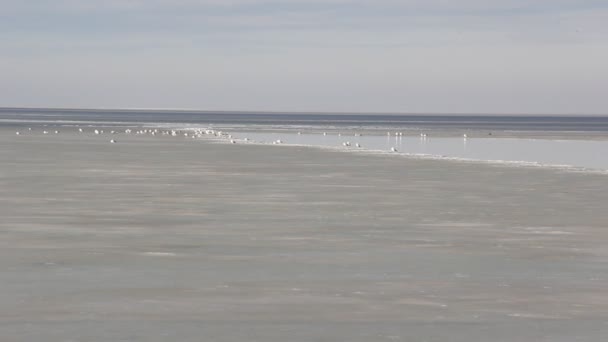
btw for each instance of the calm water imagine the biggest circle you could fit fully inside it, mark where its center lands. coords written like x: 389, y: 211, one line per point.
x: 411, y: 121
x: 587, y: 154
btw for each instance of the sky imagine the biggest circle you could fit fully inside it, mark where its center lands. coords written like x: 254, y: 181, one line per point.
x: 405, y: 56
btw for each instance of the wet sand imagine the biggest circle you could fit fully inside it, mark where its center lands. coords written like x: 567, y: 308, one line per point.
x: 170, y: 238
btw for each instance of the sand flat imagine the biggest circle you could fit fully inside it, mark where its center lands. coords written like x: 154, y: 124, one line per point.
x: 168, y: 238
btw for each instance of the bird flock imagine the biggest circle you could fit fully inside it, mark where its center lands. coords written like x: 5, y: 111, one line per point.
x: 200, y: 132
x: 171, y: 132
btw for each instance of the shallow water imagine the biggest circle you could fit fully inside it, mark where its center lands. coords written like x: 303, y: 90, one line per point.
x: 587, y: 154
x: 568, y: 142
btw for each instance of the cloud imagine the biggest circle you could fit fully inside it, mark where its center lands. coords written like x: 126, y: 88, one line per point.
x: 346, y: 55
x: 346, y: 7
x: 74, y: 17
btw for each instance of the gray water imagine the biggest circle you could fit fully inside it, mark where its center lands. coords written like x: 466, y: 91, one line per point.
x: 584, y: 154
x: 574, y: 142
x: 552, y: 123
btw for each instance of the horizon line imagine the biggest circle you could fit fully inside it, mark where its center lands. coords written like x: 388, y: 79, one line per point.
x: 287, y: 112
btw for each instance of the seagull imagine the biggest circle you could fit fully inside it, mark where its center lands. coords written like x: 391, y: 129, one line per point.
x: 358, y: 145
x: 80, y: 130
x: 113, y: 141
x: 17, y: 133
x: 96, y: 132
x: 232, y: 141
x: 56, y: 132
x: 393, y: 149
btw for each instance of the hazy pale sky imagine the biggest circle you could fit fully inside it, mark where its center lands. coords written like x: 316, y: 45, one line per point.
x: 467, y: 56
